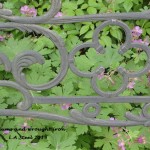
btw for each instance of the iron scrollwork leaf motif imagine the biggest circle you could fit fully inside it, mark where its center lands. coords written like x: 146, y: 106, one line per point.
x: 27, y: 103
x: 21, y: 61
x: 90, y: 117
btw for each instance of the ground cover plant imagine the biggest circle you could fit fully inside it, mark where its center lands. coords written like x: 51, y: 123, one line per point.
x: 64, y: 136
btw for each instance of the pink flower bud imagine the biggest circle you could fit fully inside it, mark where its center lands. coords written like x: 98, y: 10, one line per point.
x: 141, y: 140
x: 136, y: 31
x: 101, y: 76
x: 6, y: 132
x: 59, y: 14
x: 131, y: 85
x: 65, y: 106
x: 121, y: 145
x: 31, y: 12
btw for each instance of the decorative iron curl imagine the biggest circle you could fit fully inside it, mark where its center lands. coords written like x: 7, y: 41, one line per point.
x: 55, y: 7
x: 89, y: 118
x: 144, y: 116
x: 76, y: 117
x: 17, y: 63
x: 25, y: 105
x: 100, y: 49
x: 93, y: 114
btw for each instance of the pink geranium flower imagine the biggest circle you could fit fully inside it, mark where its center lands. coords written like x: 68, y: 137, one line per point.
x: 59, y: 14
x: 137, y: 31
x: 24, y: 9
x: 111, y: 118
x: 65, y: 106
x: 141, y: 140
x: 121, y: 145
x: 141, y: 41
x: 31, y: 12
x: 131, y: 84
x: 101, y: 76
x: 6, y: 132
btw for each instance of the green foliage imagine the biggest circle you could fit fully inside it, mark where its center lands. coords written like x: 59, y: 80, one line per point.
x: 13, y: 47
x: 76, y: 137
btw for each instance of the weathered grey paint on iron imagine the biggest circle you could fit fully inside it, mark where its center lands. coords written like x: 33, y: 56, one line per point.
x: 27, y: 58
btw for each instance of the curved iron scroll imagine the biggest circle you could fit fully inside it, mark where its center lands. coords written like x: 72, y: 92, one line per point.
x: 27, y: 58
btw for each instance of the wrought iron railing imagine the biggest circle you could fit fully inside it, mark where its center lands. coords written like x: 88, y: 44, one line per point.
x: 27, y: 58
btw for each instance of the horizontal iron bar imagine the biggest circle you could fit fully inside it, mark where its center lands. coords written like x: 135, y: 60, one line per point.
x: 83, y: 18
x: 67, y: 119
x: 37, y: 114
x: 101, y: 17
x: 91, y: 99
